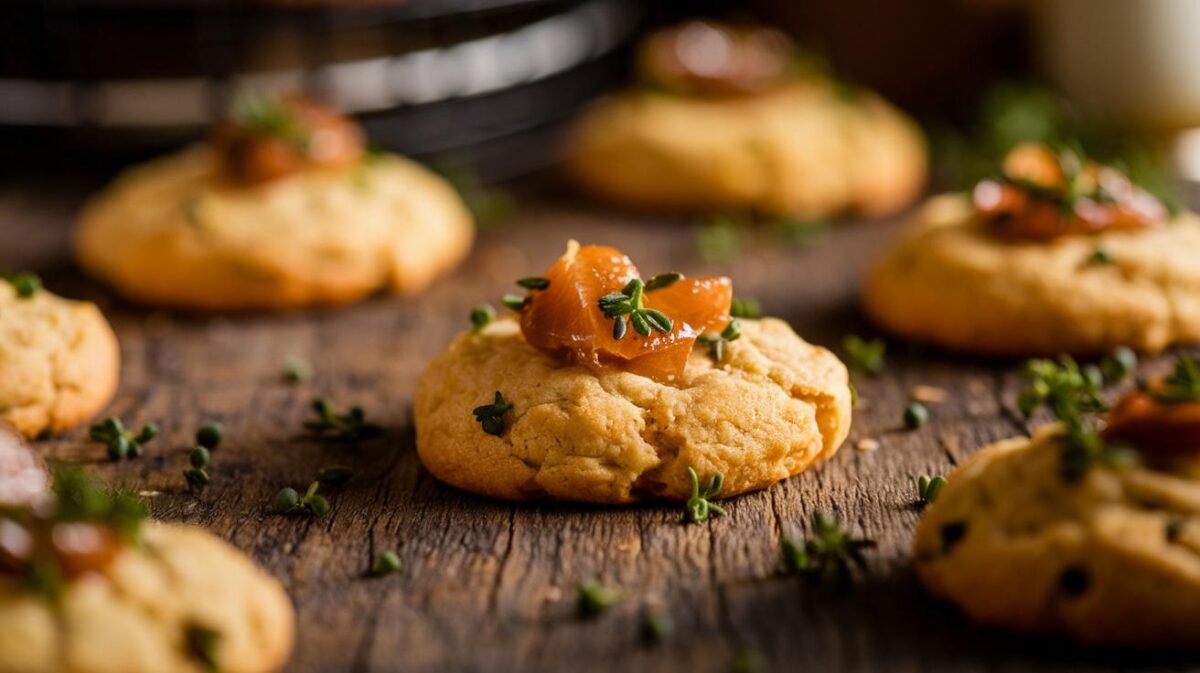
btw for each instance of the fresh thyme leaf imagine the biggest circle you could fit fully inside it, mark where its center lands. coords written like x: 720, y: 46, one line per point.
x: 514, y: 302
x: 700, y: 506
x: 482, y: 316
x: 593, y: 598
x: 385, y: 564
x: 1181, y: 385
x: 719, y: 239
x: 656, y: 627
x: 197, y: 478
x: 269, y: 116
x: 928, y: 488
x: 350, y: 426
x: 296, y: 370
x: 491, y: 416
x: 122, y: 444
x: 24, y: 283
x: 534, y: 283
x: 715, y: 343
x: 200, y: 457
x: 209, y: 435
x: 747, y: 308
x: 915, y: 415
x: 828, y: 554
x: 289, y: 501
x: 630, y: 301
x: 663, y: 280
x: 799, y: 231
x: 1119, y: 365
x: 867, y: 357
x: 202, y: 645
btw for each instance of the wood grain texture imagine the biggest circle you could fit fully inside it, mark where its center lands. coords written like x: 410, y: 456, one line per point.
x: 488, y: 585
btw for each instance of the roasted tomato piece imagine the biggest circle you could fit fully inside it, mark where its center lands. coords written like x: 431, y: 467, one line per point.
x: 566, y: 318
x: 269, y: 138
x: 708, y: 58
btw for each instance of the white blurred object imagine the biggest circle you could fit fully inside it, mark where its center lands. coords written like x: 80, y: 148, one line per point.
x: 1135, y: 61
x: 23, y: 480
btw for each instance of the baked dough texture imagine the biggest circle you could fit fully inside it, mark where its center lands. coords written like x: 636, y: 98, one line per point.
x: 1112, y: 559
x: 775, y: 406
x: 135, y: 617
x: 59, y: 362
x: 950, y: 282
x: 170, y: 233
x: 798, y: 149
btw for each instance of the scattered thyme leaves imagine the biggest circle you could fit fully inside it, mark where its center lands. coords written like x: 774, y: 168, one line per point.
x: 593, y: 598
x: 828, y: 554
x: 715, y: 343
x: 514, y: 302
x: 491, y: 416
x: 663, y: 280
x: 865, y: 357
x: 1181, y: 385
x: 1119, y: 365
x: 24, y: 283
x: 700, y: 506
x: 269, y: 116
x: 210, y: 435
x: 385, y: 563
x: 350, y: 426
x: 122, y: 444
x: 915, y: 415
x: 534, y: 283
x: 289, y: 501
x: 297, y: 370
x: 748, y: 309
x: 482, y: 315
x: 630, y: 301
x: 929, y: 487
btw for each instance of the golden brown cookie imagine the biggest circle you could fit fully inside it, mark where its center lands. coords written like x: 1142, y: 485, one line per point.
x: 772, y: 408
x: 150, y: 611
x: 800, y: 148
x: 1111, y: 559
x: 59, y: 361
x: 174, y: 232
x: 952, y: 282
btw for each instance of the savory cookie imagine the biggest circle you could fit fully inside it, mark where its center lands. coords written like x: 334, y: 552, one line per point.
x: 773, y: 407
x: 952, y: 282
x: 800, y: 148
x: 59, y: 361
x: 1111, y: 559
x: 181, y: 598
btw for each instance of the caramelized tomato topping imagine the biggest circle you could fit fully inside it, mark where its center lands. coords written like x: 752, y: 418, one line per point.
x: 267, y: 138
x: 1156, y: 428
x: 1042, y: 196
x: 704, y: 58
x: 565, y: 319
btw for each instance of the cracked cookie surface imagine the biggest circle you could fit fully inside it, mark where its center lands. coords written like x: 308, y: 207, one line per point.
x: 799, y: 149
x: 136, y: 616
x: 171, y: 233
x: 775, y: 406
x: 949, y: 282
x: 59, y: 362
x: 1113, y: 558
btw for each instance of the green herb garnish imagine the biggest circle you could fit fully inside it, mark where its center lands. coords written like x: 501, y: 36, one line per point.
x: 828, y: 554
x: 269, y: 116
x: 514, y: 302
x: 482, y: 316
x: 350, y: 426
x: 385, y: 563
x: 491, y: 416
x: 915, y: 415
x: 867, y: 357
x: 593, y: 598
x: 928, y: 488
x: 78, y: 498
x: 630, y: 301
x: 296, y: 370
x: 24, y: 283
x: 534, y: 283
x: 289, y: 501
x: 209, y: 435
x: 1181, y: 385
x: 699, y: 505
x: 719, y: 239
x: 748, y: 309
x: 197, y: 478
x: 715, y: 343
x: 663, y: 280
x: 121, y: 443
x: 798, y: 231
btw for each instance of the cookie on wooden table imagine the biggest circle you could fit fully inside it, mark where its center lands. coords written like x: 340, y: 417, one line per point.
x: 552, y: 405
x: 1079, y: 266
x: 727, y: 119
x: 59, y: 359
x: 283, y: 208
x: 90, y: 589
x: 1057, y: 534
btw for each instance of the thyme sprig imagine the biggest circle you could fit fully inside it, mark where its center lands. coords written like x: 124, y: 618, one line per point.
x: 593, y: 598
x: 630, y: 301
x: 828, y: 555
x: 491, y: 416
x: 928, y: 488
x: 350, y: 426
x: 715, y: 342
x: 269, y: 116
x: 1181, y: 385
x: 700, y: 506
x: 24, y: 283
x: 289, y: 501
x: 482, y: 315
x: 122, y: 444
x: 866, y: 357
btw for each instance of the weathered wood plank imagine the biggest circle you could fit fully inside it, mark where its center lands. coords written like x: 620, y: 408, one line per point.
x: 487, y: 585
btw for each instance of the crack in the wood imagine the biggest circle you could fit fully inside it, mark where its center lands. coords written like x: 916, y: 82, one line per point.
x: 494, y: 592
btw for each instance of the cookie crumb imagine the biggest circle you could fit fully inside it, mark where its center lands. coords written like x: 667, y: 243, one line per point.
x: 928, y: 394
x: 867, y: 444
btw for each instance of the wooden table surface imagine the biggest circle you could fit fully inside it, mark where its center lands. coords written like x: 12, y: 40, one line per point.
x: 489, y: 585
